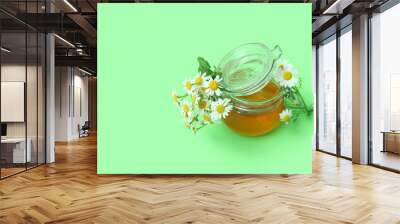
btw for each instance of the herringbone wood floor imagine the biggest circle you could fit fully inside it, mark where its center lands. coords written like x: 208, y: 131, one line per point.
x: 70, y: 191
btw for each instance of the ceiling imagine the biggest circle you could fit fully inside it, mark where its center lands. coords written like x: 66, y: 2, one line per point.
x: 75, y: 22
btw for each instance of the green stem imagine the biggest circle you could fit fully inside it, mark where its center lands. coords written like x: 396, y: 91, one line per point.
x: 294, y: 107
x: 202, y: 126
x: 302, y: 100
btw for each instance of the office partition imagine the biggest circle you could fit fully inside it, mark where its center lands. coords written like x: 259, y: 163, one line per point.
x: 22, y: 77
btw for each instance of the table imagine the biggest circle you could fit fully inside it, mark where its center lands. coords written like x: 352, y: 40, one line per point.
x: 13, y: 150
x: 391, y: 141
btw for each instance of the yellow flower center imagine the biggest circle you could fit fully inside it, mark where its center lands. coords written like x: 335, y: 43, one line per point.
x: 199, y: 80
x: 220, y: 109
x: 287, y: 75
x: 188, y: 85
x: 213, y: 85
x: 202, y: 104
x: 185, y: 108
x: 286, y: 118
x: 207, y: 118
x: 175, y: 98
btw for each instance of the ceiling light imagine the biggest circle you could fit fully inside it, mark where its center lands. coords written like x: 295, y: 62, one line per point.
x: 337, y: 7
x: 65, y: 41
x: 5, y: 50
x: 79, y: 51
x: 84, y: 71
x: 70, y: 5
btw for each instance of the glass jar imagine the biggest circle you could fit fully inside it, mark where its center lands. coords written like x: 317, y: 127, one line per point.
x: 247, y: 73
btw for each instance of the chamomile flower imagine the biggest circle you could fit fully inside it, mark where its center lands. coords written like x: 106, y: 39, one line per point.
x: 285, y: 116
x: 202, y: 89
x: 200, y: 79
x: 195, y: 98
x: 207, y: 119
x: 188, y: 119
x: 190, y: 126
x: 287, y: 76
x: 213, y: 86
x: 220, y: 109
x: 203, y: 105
x: 188, y: 86
x: 186, y: 109
x: 282, y: 63
x: 175, y: 97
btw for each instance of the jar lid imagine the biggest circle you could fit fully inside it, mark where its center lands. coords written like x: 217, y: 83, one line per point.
x: 248, y: 68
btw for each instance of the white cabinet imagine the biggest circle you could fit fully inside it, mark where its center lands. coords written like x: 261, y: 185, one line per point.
x: 19, y: 155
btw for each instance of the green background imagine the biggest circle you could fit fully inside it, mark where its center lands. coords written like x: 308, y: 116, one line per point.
x: 146, y: 50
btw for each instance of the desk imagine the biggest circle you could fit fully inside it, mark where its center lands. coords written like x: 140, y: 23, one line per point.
x: 391, y: 141
x: 13, y: 150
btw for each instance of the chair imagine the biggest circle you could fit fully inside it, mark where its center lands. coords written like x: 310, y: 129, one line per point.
x: 84, y: 130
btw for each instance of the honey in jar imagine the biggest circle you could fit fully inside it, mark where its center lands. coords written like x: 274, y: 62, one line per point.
x: 253, y: 120
x: 257, y: 100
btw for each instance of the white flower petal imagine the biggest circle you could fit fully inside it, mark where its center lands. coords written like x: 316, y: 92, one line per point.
x: 216, y: 92
x: 281, y: 79
x: 221, y: 102
x: 215, y: 116
x: 285, y: 116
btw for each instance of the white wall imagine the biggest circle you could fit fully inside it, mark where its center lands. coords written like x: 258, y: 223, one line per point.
x: 71, y: 102
x: 16, y: 72
x: 62, y: 82
x: 80, y: 110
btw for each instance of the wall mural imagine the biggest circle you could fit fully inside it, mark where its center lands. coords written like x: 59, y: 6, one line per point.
x: 245, y: 104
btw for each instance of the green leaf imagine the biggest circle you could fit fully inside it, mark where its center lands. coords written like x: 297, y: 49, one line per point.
x: 217, y: 71
x: 204, y: 66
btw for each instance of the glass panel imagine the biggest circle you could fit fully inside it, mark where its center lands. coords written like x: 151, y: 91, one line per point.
x: 14, y: 154
x: 385, y: 114
x: 327, y: 96
x: 346, y: 94
x: 41, y: 99
x: 31, y: 100
x: 31, y: 88
x: 22, y: 90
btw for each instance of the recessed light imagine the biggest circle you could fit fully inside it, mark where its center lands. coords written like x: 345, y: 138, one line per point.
x: 70, y: 5
x: 84, y: 71
x: 64, y: 40
x: 337, y: 7
x: 5, y: 50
